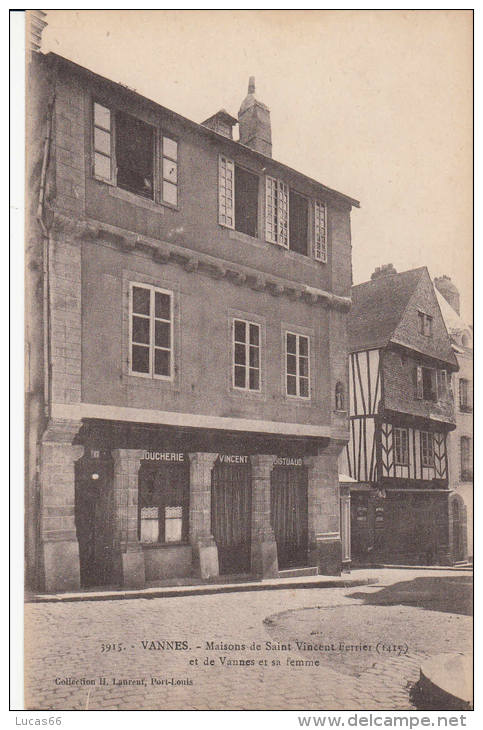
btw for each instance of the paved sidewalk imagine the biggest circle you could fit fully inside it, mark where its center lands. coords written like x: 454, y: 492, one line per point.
x: 357, y: 577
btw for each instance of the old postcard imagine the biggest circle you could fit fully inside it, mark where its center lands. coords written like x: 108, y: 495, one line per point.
x: 249, y: 348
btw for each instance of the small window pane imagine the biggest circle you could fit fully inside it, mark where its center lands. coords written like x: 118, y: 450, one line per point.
x: 239, y: 376
x: 240, y: 331
x: 291, y: 385
x: 173, y: 522
x: 162, y: 306
x: 254, y: 357
x: 102, y: 166
x: 254, y: 379
x: 291, y: 364
x: 292, y: 344
x: 304, y: 366
x: 140, y: 300
x: 149, y: 524
x: 170, y: 171
x: 102, y: 116
x: 162, y: 334
x: 140, y: 330
x: 304, y: 387
x: 102, y: 141
x: 240, y: 355
x: 140, y: 359
x: 162, y: 362
x: 254, y: 334
x: 170, y: 193
x: 170, y: 148
x: 303, y: 346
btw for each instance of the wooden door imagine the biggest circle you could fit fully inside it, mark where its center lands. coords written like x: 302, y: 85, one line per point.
x: 289, y: 514
x: 94, y: 513
x: 231, y: 508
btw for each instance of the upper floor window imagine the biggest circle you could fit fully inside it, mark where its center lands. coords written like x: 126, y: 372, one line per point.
x: 465, y: 395
x: 401, y: 452
x: 425, y: 324
x: 151, y: 332
x: 297, y: 357
x: 443, y: 384
x: 246, y: 355
x: 466, y: 459
x: 427, y: 450
x: 426, y: 383
x: 237, y: 197
x: 125, y: 155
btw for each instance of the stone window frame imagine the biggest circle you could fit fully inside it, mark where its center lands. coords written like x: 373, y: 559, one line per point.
x: 160, y: 134
x: 152, y: 321
x: 157, y: 383
x: 260, y: 320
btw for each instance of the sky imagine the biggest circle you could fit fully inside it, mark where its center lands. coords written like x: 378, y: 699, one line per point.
x: 375, y: 104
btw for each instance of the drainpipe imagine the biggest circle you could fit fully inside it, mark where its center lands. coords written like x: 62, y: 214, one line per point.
x: 45, y: 258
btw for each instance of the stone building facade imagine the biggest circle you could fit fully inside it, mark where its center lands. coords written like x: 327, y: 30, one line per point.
x: 460, y: 452
x: 187, y: 301
x: 401, y: 366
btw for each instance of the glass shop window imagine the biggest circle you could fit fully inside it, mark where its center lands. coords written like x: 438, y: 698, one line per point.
x: 163, y: 504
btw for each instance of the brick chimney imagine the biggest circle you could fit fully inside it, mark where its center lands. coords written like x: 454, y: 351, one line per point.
x: 254, y: 122
x: 384, y: 270
x: 449, y: 291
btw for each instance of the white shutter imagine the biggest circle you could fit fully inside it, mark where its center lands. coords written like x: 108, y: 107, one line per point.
x: 320, y: 232
x: 226, y: 192
x: 271, y: 209
x: 283, y: 214
x: 276, y: 211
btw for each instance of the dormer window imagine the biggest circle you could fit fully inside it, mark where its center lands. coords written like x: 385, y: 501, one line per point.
x: 425, y: 324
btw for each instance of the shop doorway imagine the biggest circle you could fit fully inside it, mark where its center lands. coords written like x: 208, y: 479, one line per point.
x: 367, y: 529
x: 289, y: 511
x: 231, y: 509
x: 458, y: 529
x: 94, y: 520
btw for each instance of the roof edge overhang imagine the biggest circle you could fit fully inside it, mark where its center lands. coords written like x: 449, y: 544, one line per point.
x: 55, y: 59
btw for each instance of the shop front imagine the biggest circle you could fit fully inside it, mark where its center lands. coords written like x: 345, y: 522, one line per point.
x: 154, y: 504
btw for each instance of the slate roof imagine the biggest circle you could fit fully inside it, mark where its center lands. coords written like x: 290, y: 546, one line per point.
x: 378, y: 306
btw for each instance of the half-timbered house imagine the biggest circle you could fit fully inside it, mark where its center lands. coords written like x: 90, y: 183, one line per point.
x: 401, y: 411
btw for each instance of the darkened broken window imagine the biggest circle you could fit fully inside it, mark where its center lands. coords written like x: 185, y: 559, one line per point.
x: 134, y: 155
x: 246, y: 202
x: 298, y: 223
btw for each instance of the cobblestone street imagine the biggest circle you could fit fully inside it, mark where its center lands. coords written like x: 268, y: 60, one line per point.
x: 64, y: 643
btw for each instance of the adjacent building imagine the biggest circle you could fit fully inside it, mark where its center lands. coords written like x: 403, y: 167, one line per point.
x: 187, y: 310
x: 401, y: 415
x: 461, y: 439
